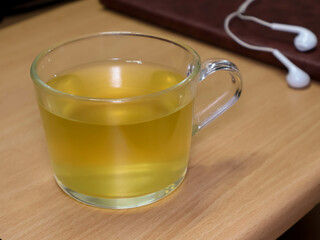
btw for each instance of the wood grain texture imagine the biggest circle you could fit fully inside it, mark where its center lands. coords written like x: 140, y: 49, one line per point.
x: 253, y: 172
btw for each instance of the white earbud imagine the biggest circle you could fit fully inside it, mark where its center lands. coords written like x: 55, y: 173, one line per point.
x: 304, y: 41
x: 296, y: 78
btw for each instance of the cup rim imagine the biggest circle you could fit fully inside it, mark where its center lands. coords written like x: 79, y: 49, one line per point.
x: 37, y: 80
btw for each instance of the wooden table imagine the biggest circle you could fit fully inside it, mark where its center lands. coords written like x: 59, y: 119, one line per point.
x: 253, y: 172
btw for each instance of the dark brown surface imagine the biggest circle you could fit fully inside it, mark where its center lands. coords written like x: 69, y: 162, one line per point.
x: 307, y: 228
x: 203, y: 19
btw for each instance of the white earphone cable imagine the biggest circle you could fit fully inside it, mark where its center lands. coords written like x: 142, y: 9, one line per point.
x: 296, y: 77
x: 254, y: 19
x: 243, y: 7
x: 238, y: 40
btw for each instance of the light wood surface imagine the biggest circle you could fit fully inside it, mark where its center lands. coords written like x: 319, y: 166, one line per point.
x: 253, y: 172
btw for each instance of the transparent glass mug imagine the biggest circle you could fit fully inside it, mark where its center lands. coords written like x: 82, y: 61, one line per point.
x: 131, y: 151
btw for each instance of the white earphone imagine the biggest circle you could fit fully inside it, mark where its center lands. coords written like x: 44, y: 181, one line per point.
x: 304, y: 41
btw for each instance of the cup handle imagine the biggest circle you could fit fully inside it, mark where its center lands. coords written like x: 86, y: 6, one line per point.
x: 223, y: 102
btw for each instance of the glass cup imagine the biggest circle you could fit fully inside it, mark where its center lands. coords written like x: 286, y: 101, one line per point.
x: 122, y: 151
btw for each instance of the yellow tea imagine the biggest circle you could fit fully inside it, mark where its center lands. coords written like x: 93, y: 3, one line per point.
x: 118, y: 150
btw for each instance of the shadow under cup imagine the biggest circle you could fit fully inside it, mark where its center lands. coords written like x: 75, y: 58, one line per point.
x: 124, y: 151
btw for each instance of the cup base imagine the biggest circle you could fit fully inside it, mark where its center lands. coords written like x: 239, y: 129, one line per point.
x: 120, y: 203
